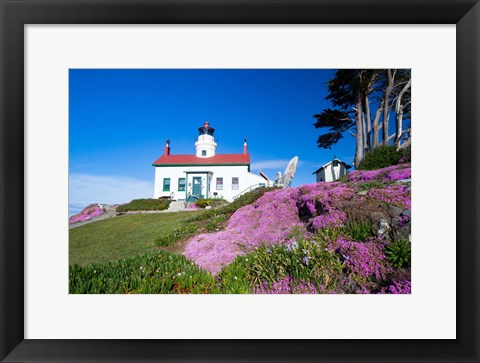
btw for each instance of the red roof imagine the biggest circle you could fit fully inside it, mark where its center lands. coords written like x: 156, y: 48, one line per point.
x: 194, y: 160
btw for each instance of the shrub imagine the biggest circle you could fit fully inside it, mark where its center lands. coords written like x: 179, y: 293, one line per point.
x: 229, y: 209
x: 202, y: 203
x: 399, y: 253
x: 144, y: 204
x: 161, y: 273
x: 245, y: 199
x: 382, y: 157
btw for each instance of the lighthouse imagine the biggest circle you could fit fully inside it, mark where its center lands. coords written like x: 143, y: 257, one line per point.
x: 205, y: 174
x: 205, y: 145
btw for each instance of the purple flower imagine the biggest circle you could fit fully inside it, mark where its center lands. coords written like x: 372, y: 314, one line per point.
x: 391, y: 173
x: 400, y: 287
x: 365, y: 260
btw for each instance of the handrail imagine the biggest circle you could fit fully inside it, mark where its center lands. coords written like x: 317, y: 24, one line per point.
x: 187, y: 203
x: 259, y: 185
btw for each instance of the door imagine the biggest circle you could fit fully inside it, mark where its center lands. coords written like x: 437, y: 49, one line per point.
x: 197, y: 186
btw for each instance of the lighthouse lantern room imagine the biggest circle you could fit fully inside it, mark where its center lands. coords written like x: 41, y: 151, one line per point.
x: 206, y: 145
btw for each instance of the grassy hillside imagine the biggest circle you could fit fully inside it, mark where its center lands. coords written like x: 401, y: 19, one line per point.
x: 133, y: 235
x: 122, y: 236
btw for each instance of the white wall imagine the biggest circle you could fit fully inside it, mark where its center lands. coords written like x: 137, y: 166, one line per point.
x: 207, y: 143
x: 246, y: 179
x: 320, y: 176
x: 331, y: 173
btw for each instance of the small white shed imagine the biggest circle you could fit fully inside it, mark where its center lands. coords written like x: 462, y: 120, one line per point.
x: 332, y: 171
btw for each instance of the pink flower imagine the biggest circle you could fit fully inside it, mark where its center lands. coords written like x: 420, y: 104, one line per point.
x: 86, y: 214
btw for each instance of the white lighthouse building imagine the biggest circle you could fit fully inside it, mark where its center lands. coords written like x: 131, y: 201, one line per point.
x: 205, y: 174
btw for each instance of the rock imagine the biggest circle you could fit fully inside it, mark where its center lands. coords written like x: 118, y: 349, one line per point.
x: 394, y: 211
x: 383, y: 227
x: 406, y: 212
x: 377, y: 216
x: 363, y: 192
x: 404, y: 232
x: 208, y: 207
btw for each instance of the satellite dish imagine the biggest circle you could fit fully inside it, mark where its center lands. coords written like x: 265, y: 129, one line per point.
x: 264, y: 176
x: 278, y: 180
x: 289, y: 172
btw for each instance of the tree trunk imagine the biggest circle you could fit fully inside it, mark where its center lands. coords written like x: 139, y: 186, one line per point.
x: 406, y: 144
x: 359, y: 138
x: 369, y: 124
x: 376, y: 126
x: 399, y: 113
x: 386, y: 108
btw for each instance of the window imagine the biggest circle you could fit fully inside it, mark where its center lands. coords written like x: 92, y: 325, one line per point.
x: 234, y: 183
x: 166, y: 184
x: 181, y: 184
x: 204, y: 152
x: 219, y: 183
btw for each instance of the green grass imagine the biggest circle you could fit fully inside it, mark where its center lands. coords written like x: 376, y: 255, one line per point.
x: 373, y: 184
x: 144, y: 204
x: 122, y: 236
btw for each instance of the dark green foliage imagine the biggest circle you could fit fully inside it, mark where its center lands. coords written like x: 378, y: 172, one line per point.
x: 186, y: 230
x: 144, y: 204
x: 345, y: 90
x: 358, y: 231
x: 212, y: 202
x: 406, y: 155
x: 399, y: 253
x: 245, y: 199
x: 382, y: 157
x: 161, y: 273
x: 337, y: 123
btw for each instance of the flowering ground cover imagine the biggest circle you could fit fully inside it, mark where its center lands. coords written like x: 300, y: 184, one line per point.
x: 347, y: 237
x: 319, y: 209
x: 93, y: 210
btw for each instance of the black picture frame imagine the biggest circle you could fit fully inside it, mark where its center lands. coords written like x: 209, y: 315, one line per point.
x: 16, y: 13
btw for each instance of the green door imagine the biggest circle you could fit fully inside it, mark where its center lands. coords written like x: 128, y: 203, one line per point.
x: 197, y: 186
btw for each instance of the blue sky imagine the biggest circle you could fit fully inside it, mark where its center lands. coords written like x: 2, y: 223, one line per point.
x: 120, y: 119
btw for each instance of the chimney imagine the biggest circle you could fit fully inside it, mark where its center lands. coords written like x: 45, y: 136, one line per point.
x: 245, y: 152
x: 166, y: 151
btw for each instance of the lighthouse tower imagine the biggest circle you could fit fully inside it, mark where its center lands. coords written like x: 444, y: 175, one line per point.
x: 205, y: 145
